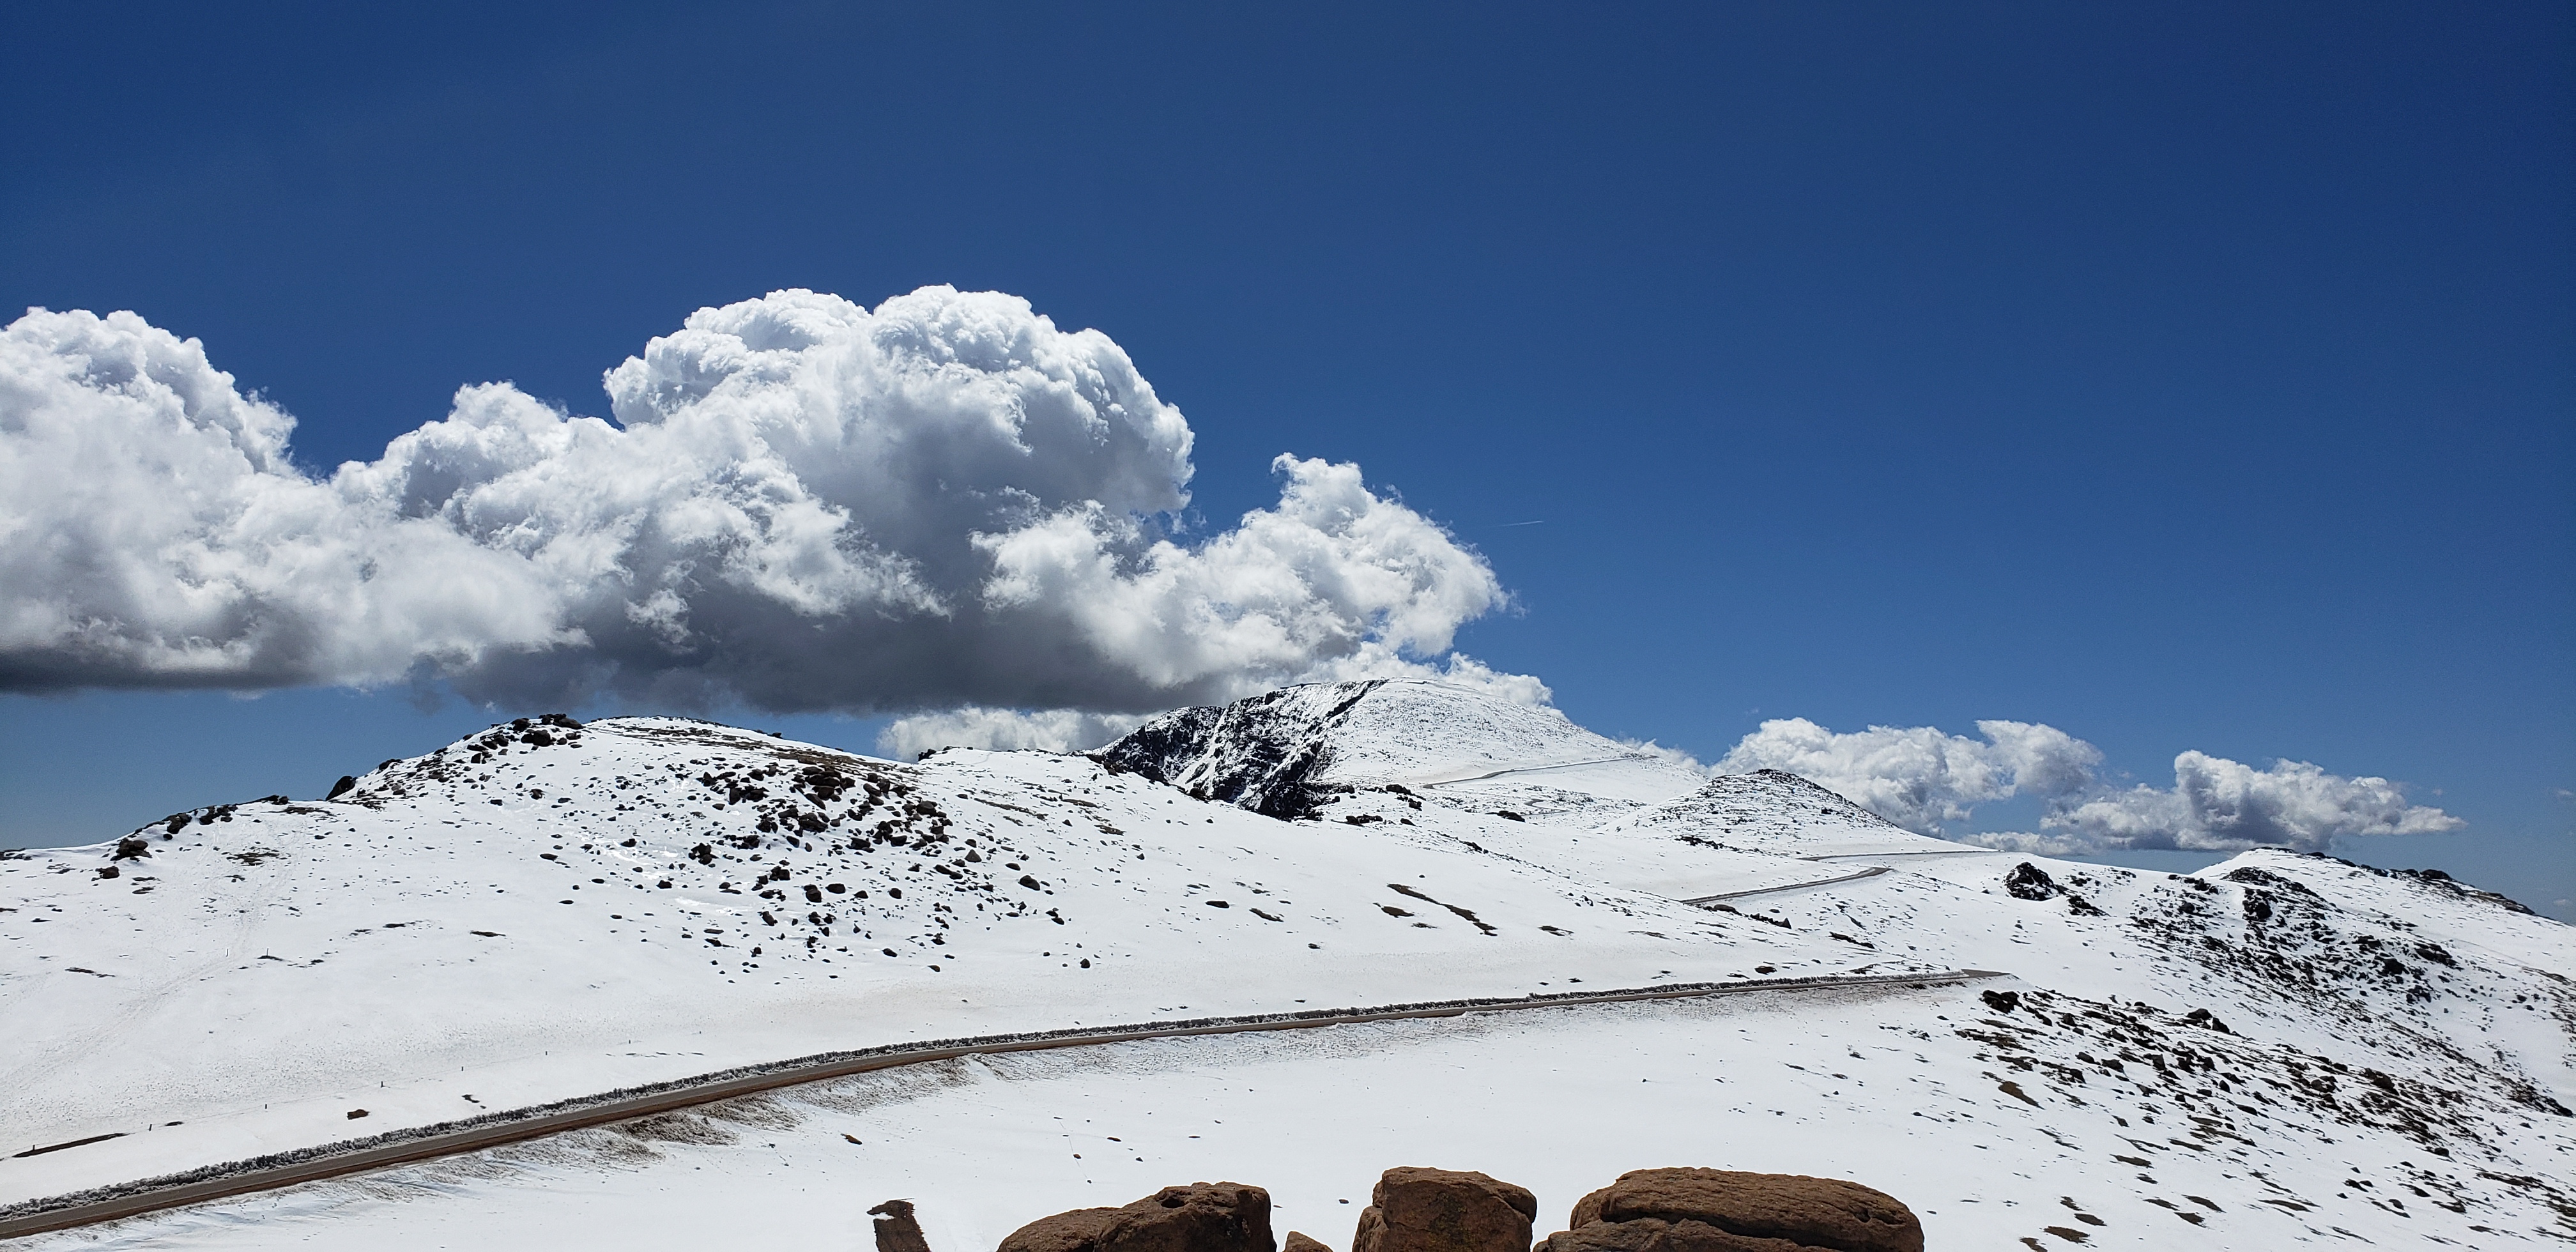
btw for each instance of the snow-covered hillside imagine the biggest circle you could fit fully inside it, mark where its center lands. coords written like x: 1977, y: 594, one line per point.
x: 552, y: 909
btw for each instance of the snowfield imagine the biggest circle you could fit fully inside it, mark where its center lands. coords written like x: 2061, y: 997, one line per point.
x: 2276, y: 1050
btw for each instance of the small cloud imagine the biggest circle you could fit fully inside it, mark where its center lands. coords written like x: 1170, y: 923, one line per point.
x: 1047, y: 730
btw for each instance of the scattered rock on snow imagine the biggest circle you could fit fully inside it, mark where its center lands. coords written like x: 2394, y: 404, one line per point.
x: 1714, y: 1210
x: 1201, y: 1217
x: 1416, y: 1209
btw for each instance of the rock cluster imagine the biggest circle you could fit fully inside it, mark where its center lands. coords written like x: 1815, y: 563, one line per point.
x: 1416, y: 1209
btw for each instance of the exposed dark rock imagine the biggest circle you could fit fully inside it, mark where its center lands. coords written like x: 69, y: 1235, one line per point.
x: 2256, y: 876
x: 1298, y: 1241
x: 1265, y: 753
x: 129, y: 847
x: 1416, y: 1209
x: 342, y: 787
x: 1201, y: 1217
x: 2030, y: 882
x: 1713, y: 1210
x: 896, y: 1229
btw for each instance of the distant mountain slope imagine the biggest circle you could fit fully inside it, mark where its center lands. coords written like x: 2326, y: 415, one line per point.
x: 1282, y: 752
x: 1774, y: 811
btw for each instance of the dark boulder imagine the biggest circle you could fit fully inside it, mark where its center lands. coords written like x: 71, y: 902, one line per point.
x: 1299, y: 1241
x: 1201, y: 1217
x: 896, y: 1230
x: 129, y: 847
x: 1414, y: 1209
x: 2030, y: 882
x: 1714, y: 1210
x: 342, y: 787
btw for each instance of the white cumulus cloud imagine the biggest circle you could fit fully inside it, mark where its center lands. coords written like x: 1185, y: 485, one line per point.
x: 2223, y: 805
x: 1047, y: 730
x: 802, y: 503
x: 1921, y: 778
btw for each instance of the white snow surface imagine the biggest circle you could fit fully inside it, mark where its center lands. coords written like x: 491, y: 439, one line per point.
x: 2280, y: 1049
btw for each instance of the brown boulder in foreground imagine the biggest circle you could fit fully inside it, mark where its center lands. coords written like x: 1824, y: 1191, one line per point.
x: 1201, y: 1217
x: 896, y: 1230
x: 1415, y: 1209
x: 1716, y: 1210
x: 1299, y: 1241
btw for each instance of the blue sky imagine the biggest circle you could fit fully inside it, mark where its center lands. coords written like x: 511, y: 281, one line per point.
x: 2183, y: 377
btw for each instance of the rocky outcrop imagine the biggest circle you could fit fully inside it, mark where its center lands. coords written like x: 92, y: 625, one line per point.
x: 1299, y: 1241
x: 2030, y: 882
x: 1415, y: 1209
x: 1266, y: 753
x: 1201, y: 1217
x: 1714, y: 1210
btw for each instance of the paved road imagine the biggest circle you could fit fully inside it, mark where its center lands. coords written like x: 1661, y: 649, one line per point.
x: 1443, y: 779
x: 402, y: 1147
x: 1872, y: 872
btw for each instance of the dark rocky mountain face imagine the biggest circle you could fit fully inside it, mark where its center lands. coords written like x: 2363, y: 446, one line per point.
x: 1267, y: 753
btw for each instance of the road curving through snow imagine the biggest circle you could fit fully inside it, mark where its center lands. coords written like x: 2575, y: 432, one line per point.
x: 453, y: 1138
x: 1872, y: 872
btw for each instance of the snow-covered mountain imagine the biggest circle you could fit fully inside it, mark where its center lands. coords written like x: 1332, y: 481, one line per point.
x: 551, y: 909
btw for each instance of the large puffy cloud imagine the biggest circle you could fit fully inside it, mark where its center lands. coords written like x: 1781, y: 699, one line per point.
x: 803, y: 504
x: 1922, y: 778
